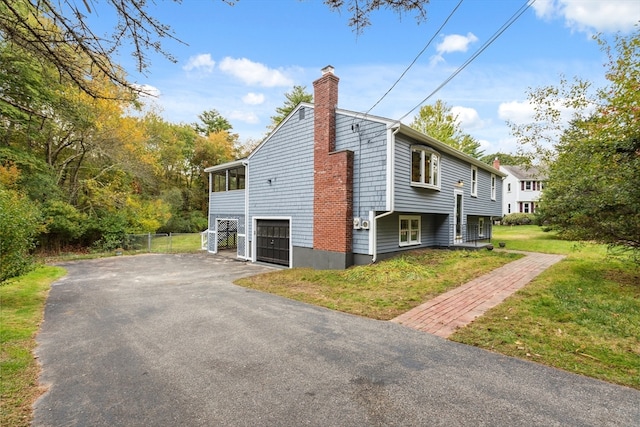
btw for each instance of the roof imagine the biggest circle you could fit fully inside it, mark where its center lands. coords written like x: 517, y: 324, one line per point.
x: 228, y: 165
x: 525, y: 172
x: 390, y: 123
x: 441, y: 146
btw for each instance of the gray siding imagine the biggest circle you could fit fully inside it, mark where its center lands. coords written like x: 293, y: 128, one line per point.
x: 452, y: 169
x: 389, y: 232
x: 281, y: 177
x: 368, y: 141
x: 483, y: 205
x: 226, y: 204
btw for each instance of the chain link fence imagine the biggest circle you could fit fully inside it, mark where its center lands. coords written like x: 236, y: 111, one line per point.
x: 162, y: 243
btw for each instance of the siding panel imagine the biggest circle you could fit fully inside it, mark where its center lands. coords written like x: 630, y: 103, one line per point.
x: 367, y: 140
x: 281, y: 177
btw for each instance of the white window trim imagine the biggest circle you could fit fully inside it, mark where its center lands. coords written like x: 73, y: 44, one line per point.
x: 435, y: 171
x: 481, y: 227
x: 409, y: 242
x: 494, y: 184
x: 474, y: 181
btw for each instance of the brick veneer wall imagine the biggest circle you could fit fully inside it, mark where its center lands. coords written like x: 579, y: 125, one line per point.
x: 333, y: 173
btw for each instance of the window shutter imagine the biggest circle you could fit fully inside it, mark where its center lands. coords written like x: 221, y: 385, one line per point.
x: 522, y: 185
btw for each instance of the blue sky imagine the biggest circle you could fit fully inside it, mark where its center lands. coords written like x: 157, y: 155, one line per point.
x: 241, y: 59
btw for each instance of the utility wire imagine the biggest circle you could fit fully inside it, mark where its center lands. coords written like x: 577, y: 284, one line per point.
x: 415, y: 59
x: 482, y: 48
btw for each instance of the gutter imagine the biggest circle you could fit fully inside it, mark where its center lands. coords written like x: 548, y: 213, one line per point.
x: 390, y: 191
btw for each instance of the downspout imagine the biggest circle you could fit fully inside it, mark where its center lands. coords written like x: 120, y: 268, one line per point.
x: 391, y: 200
x: 245, y: 163
x: 209, y: 204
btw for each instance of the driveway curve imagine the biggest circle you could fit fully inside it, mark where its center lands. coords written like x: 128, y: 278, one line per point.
x: 168, y: 340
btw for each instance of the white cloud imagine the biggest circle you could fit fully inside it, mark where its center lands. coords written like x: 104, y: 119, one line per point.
x: 591, y: 16
x: 244, y: 116
x: 456, y: 43
x: 467, y: 117
x: 148, y: 90
x: 518, y: 112
x: 201, y: 62
x: 254, y: 73
x: 453, y: 43
x: 524, y: 112
x: 485, y: 145
x: 253, y: 98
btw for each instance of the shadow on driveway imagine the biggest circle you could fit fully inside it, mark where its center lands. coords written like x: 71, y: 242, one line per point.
x: 168, y: 340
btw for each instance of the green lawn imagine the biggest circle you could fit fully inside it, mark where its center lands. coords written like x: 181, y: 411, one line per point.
x: 383, y: 290
x: 581, y: 315
x: 21, y: 311
x: 176, y: 243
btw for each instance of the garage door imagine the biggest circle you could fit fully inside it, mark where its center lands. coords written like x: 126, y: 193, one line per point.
x: 273, y: 241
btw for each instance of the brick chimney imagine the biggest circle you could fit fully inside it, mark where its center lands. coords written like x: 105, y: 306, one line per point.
x: 333, y: 180
x: 496, y: 163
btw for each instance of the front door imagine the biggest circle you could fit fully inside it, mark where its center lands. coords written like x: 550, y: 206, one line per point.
x: 272, y: 241
x: 457, y: 218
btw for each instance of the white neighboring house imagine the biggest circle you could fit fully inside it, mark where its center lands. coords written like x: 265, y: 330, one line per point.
x: 521, y: 188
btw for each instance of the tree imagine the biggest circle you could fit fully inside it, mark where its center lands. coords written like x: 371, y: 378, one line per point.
x: 292, y: 99
x: 211, y: 121
x: 440, y: 123
x: 505, y: 159
x: 361, y: 9
x: 56, y: 32
x: 594, y: 165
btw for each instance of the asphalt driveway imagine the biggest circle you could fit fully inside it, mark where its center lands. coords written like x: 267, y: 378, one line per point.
x: 167, y: 340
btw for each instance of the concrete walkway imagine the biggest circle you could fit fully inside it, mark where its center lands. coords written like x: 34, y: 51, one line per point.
x: 457, y: 308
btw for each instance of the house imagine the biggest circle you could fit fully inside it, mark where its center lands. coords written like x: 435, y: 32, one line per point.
x: 522, y: 188
x: 330, y: 188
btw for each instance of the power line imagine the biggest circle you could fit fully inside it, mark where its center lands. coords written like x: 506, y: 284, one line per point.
x: 482, y: 48
x: 415, y: 59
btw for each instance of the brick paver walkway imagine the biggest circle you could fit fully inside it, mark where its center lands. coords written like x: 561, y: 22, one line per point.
x: 460, y: 306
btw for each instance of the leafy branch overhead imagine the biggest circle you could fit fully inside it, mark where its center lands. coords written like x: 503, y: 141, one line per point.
x: 361, y: 10
x: 59, y: 34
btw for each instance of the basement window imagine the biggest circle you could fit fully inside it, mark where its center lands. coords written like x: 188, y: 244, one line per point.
x: 409, y: 230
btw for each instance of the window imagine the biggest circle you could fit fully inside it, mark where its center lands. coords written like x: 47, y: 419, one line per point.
x: 525, y: 207
x: 236, y: 179
x: 493, y: 187
x: 220, y: 181
x: 227, y: 180
x: 509, y: 188
x: 527, y: 185
x: 425, y: 168
x: 409, y: 230
x: 474, y: 181
x: 509, y: 208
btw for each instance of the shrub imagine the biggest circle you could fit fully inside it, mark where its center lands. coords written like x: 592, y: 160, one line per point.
x: 519, y: 219
x: 65, y: 225
x: 20, y: 223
